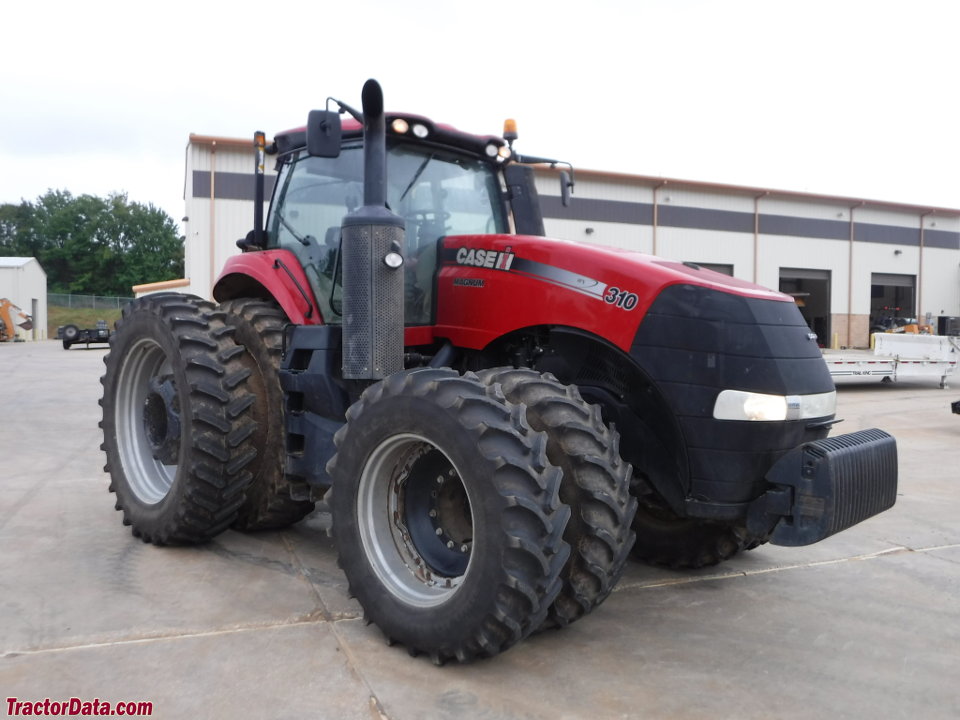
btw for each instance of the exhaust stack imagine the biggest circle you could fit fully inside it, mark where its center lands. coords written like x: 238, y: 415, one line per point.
x: 372, y: 240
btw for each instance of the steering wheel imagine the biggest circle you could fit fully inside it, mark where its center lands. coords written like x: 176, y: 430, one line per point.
x: 429, y: 224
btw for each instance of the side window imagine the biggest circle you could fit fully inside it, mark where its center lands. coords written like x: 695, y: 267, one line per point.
x: 313, y: 195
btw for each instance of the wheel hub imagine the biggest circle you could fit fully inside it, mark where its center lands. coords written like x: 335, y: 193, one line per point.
x: 161, y: 420
x: 416, y: 520
x: 434, y: 512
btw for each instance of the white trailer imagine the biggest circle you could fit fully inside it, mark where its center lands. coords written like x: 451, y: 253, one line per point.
x: 897, y: 356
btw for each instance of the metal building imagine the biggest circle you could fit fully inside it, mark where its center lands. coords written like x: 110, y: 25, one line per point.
x: 851, y: 264
x: 23, y: 284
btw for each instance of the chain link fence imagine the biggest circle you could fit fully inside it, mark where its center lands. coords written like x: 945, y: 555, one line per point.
x: 96, y: 302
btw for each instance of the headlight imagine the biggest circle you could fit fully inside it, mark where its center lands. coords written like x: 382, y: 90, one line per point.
x: 741, y: 405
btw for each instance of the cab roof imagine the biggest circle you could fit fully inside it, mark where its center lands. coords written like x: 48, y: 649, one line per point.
x: 436, y: 134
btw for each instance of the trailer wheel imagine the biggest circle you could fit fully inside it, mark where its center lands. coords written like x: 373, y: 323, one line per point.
x: 667, y: 540
x: 176, y: 420
x: 447, y: 515
x: 69, y: 334
x: 596, y: 486
x: 259, y: 328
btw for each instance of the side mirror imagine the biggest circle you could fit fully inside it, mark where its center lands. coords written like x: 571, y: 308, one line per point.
x: 566, y: 187
x: 323, y: 134
x: 251, y: 242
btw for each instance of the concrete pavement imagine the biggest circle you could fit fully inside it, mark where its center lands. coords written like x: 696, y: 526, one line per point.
x: 863, y: 625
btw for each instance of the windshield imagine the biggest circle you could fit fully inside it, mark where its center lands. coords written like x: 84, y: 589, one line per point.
x: 435, y: 191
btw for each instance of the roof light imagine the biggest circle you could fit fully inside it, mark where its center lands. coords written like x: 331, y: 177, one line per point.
x: 399, y: 126
x: 492, y: 150
x: 420, y: 131
x: 510, y: 130
x: 504, y: 152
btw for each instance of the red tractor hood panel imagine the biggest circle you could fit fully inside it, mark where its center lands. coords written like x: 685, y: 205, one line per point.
x: 490, y: 285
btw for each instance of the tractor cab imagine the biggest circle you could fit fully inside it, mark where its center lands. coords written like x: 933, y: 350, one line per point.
x: 437, y: 188
x: 439, y: 181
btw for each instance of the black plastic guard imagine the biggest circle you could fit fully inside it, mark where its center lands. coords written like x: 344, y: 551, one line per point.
x: 315, y: 403
x: 834, y: 483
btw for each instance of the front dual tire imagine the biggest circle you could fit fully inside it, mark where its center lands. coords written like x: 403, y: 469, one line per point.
x: 447, y: 515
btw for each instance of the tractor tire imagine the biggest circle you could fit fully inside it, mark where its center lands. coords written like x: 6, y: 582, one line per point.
x: 258, y: 326
x: 447, y: 515
x: 596, y: 486
x: 666, y: 540
x: 177, y: 430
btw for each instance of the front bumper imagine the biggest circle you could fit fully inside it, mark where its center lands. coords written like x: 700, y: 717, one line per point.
x: 825, y: 486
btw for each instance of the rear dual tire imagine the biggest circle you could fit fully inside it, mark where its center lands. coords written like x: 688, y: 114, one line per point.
x: 176, y: 420
x: 258, y: 327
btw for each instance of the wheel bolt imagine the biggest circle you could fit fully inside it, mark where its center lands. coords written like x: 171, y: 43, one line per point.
x: 432, y: 513
x: 439, y: 531
x: 450, y: 544
x: 464, y: 548
x: 439, y: 479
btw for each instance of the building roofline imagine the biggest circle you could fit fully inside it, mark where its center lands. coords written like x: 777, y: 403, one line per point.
x: 751, y: 191
x: 16, y: 261
x: 246, y: 143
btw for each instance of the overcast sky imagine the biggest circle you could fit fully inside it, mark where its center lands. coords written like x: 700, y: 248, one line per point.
x: 837, y: 97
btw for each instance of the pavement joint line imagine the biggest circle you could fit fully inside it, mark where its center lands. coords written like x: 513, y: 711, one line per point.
x: 376, y: 708
x: 302, y: 572
x: 302, y: 620
x: 898, y: 550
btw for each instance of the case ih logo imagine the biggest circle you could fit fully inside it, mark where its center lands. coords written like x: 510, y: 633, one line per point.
x: 485, y: 258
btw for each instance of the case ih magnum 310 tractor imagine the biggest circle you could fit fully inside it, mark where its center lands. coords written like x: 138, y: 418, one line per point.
x: 495, y: 419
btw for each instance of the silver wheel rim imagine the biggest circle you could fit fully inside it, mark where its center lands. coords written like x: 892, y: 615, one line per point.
x: 394, y: 534
x: 148, y: 478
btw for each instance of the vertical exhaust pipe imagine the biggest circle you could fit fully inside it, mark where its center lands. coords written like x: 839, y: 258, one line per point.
x: 259, y: 142
x: 372, y: 240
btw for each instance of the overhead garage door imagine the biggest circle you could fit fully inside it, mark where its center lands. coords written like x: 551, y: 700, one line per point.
x: 892, y: 299
x: 810, y: 288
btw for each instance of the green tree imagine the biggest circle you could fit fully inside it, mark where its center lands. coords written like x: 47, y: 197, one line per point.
x: 92, y: 245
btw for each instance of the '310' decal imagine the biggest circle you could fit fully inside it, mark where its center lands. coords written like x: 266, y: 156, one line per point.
x: 621, y: 298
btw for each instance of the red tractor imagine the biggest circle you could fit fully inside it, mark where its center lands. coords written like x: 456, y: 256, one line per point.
x: 493, y: 417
